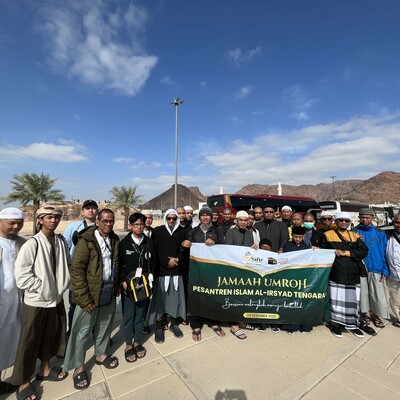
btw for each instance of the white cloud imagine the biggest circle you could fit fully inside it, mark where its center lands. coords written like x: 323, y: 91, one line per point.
x: 239, y: 56
x: 203, y: 84
x: 167, y: 81
x: 66, y: 152
x: 296, y: 96
x: 97, y: 44
x: 124, y: 160
x: 244, y: 91
x: 347, y: 73
x: 311, y: 155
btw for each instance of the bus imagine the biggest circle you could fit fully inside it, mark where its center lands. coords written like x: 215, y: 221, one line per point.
x: 353, y: 207
x: 237, y: 202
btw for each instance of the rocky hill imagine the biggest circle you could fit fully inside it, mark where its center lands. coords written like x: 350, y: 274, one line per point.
x: 186, y: 196
x: 384, y: 187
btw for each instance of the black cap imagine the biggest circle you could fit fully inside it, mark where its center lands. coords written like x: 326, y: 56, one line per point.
x: 88, y: 203
x: 298, y: 230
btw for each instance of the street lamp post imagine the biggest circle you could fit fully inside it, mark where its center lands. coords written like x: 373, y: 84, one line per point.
x: 177, y: 102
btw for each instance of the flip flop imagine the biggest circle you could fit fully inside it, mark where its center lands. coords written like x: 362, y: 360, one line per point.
x: 129, y: 354
x: 218, y: 330
x: 238, y: 334
x: 396, y: 324
x: 107, y: 362
x: 196, y: 335
x: 27, y: 393
x: 78, y: 378
x: 140, y: 351
x: 53, y: 375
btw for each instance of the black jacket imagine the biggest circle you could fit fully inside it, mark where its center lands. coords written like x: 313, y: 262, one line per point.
x: 133, y: 256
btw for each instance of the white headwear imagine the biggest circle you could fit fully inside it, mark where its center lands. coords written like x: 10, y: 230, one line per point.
x: 168, y: 212
x: 11, y: 213
x: 188, y: 208
x: 242, y: 214
x: 326, y: 214
x: 286, y: 208
x: 343, y: 214
x: 146, y: 212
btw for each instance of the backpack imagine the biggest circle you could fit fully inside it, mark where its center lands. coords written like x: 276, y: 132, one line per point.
x: 78, y: 234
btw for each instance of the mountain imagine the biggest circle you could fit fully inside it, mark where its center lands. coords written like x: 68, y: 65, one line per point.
x: 384, y: 187
x: 186, y: 196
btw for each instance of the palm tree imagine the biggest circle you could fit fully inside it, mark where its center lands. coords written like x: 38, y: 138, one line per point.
x: 33, y: 188
x: 124, y: 197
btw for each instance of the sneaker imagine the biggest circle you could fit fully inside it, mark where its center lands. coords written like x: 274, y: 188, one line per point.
x: 289, y: 332
x: 159, y: 336
x: 275, y: 329
x: 261, y: 329
x: 368, y: 330
x: 356, y: 332
x: 176, y: 331
x: 336, y: 331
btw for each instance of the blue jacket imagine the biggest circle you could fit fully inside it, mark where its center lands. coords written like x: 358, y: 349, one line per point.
x: 376, y: 241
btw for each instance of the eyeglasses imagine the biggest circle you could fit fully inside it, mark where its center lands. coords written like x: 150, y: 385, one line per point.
x: 171, y: 218
x: 343, y: 220
x: 327, y: 219
x: 107, y: 222
x: 137, y: 225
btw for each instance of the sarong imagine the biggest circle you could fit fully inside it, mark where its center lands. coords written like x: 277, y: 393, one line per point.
x: 345, y: 304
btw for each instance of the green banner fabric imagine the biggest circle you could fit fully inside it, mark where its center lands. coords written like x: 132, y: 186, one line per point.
x: 234, y: 283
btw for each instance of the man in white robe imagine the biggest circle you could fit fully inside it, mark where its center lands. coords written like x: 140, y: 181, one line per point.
x: 11, y: 222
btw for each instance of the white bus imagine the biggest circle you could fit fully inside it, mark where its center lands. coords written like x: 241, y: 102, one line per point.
x: 353, y: 207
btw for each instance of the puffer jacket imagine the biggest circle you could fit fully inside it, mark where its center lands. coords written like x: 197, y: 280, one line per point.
x: 87, y: 269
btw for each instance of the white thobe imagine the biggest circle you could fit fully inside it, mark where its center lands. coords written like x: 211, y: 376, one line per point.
x: 10, y: 322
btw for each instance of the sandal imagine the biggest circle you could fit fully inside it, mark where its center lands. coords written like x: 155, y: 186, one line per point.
x: 27, y: 393
x: 79, y: 378
x: 130, y: 355
x: 108, y: 362
x: 140, y: 351
x: 196, y: 335
x: 53, y: 375
x: 239, y: 334
x: 377, y: 321
x: 218, y: 330
x: 396, y: 324
x: 248, y: 327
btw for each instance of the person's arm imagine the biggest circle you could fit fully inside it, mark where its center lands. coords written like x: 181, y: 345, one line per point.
x: 25, y: 276
x: 80, y: 285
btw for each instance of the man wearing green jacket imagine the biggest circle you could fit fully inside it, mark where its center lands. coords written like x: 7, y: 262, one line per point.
x: 95, y: 284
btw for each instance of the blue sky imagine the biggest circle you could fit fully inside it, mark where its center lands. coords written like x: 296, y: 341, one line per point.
x: 290, y: 91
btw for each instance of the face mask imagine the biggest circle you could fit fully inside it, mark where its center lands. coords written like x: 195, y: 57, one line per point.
x: 308, y: 225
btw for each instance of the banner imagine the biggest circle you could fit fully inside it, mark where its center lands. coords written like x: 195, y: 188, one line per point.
x: 235, y: 283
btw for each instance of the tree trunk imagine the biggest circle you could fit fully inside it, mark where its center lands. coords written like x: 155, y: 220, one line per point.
x: 126, y: 216
x: 36, y: 206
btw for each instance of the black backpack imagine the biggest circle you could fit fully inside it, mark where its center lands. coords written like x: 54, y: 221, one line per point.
x: 78, y: 234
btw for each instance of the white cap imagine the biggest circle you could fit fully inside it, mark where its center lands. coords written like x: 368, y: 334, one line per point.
x: 326, y: 214
x: 11, y: 213
x: 286, y: 208
x: 188, y: 208
x: 242, y: 214
x: 343, y: 214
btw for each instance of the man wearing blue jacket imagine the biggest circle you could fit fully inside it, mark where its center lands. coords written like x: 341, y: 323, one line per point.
x: 373, y: 297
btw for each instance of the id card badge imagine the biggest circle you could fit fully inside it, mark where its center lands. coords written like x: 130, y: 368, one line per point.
x: 138, y: 272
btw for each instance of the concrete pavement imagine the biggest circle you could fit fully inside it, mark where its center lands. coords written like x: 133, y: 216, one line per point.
x: 265, y: 366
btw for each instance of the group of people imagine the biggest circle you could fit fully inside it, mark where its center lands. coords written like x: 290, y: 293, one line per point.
x: 149, y: 268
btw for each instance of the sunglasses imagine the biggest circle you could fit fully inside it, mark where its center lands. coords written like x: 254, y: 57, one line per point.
x: 343, y: 220
x: 171, y: 218
x: 326, y: 219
